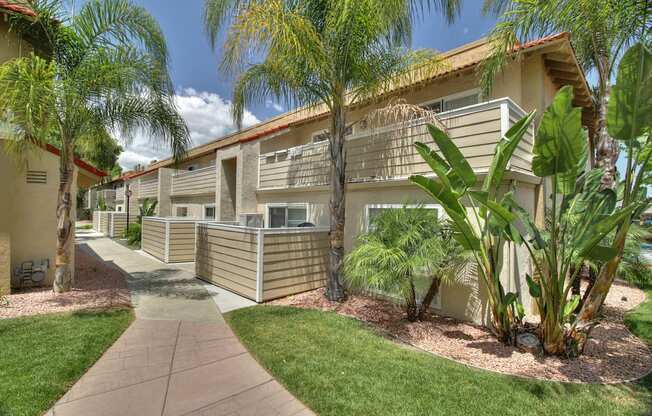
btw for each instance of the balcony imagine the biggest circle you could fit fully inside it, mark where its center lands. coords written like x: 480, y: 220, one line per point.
x: 148, y: 188
x: 120, y: 194
x: 384, y: 155
x: 107, y: 195
x: 195, y: 182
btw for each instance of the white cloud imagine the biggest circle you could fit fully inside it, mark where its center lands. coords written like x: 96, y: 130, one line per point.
x: 276, y: 106
x: 207, y: 115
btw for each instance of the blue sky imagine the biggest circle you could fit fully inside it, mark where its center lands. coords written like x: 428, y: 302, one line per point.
x: 204, y: 94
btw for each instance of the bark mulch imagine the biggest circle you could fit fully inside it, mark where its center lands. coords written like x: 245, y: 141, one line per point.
x: 97, y: 286
x: 612, y: 355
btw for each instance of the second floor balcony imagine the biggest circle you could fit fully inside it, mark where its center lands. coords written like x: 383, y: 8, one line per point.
x: 388, y: 153
x: 148, y: 188
x: 120, y: 194
x: 194, y: 182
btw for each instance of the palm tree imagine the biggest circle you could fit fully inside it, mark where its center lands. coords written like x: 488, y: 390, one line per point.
x: 408, y: 252
x: 315, y: 52
x: 105, y: 69
x: 600, y: 30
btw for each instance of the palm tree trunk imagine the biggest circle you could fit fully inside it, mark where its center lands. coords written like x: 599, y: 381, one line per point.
x: 596, y: 296
x: 335, y: 290
x: 411, y: 308
x: 607, y: 148
x: 65, y: 237
x: 427, y: 299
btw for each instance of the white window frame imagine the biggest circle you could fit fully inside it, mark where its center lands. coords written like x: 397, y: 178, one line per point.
x: 203, y: 211
x: 286, y: 205
x: 436, y: 302
x: 186, y: 206
x: 472, y: 91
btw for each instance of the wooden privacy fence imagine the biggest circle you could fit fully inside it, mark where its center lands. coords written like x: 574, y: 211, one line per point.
x: 262, y: 263
x: 110, y: 223
x: 169, y: 239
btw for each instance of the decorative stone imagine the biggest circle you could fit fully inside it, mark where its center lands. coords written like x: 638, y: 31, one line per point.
x: 529, y: 342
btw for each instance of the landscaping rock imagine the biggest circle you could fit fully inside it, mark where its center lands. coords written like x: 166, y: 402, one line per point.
x: 529, y: 342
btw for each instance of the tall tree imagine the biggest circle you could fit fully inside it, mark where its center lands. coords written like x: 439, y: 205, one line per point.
x: 600, y: 31
x: 313, y: 52
x: 105, y: 69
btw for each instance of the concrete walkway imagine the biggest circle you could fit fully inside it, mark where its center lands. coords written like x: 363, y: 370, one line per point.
x: 178, y: 357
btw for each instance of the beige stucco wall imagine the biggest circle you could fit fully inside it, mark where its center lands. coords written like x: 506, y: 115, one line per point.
x: 11, y: 45
x: 195, y: 205
x: 464, y: 299
x: 28, y: 210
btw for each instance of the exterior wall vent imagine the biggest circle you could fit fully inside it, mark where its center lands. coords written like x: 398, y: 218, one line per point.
x: 37, y: 176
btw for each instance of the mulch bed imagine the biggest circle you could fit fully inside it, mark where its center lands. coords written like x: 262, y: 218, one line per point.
x: 97, y: 286
x: 612, y: 355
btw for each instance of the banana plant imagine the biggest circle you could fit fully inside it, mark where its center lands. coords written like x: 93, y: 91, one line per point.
x: 581, y: 216
x: 629, y: 120
x: 485, y: 225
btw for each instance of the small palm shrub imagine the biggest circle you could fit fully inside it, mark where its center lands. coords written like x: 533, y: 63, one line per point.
x: 133, y: 234
x: 407, y: 252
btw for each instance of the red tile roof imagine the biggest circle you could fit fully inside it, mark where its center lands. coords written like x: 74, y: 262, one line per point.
x: 80, y: 163
x: 17, y: 8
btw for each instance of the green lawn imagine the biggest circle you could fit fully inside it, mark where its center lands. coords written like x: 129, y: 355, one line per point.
x: 639, y: 320
x: 337, y: 366
x: 42, y: 356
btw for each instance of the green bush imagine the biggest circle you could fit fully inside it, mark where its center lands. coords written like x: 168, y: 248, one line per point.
x: 133, y: 234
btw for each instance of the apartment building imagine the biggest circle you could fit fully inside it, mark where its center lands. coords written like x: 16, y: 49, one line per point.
x: 274, y: 177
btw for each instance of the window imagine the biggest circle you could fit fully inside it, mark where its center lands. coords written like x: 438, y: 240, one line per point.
x: 119, y: 208
x: 454, y: 101
x: 460, y: 102
x: 181, y: 211
x: 279, y: 216
x: 209, y: 212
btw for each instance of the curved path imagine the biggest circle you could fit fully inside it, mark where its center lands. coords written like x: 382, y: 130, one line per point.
x: 177, y: 358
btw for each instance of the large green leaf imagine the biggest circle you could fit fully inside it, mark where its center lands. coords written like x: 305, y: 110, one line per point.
x: 436, y: 163
x: 602, y: 253
x: 504, y: 151
x: 560, y: 143
x: 597, y: 231
x: 463, y: 232
x: 502, y: 214
x: 534, y: 287
x: 630, y: 105
x: 448, y: 199
x: 453, y: 156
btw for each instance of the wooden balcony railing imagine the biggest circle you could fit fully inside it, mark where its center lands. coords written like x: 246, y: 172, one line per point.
x: 148, y: 188
x: 195, y: 182
x: 382, y: 155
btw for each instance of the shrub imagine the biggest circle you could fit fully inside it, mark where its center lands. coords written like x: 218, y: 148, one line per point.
x: 133, y: 234
x: 407, y: 252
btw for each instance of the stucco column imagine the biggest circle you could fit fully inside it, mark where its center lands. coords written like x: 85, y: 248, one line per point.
x: 248, y: 178
x: 164, y: 208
